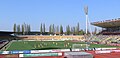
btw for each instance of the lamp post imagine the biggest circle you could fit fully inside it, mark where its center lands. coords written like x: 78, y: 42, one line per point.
x: 86, y: 13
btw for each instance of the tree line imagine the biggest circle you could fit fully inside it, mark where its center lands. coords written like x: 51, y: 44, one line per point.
x: 25, y: 29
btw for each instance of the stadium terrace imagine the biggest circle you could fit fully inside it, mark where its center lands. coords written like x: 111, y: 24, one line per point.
x: 108, y: 23
x: 109, y: 27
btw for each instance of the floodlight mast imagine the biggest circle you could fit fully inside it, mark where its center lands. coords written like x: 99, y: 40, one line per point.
x: 86, y: 13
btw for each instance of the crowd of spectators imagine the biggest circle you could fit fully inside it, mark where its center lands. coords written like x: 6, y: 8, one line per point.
x: 113, y: 40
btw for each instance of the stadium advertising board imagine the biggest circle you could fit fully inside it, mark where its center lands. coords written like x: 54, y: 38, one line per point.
x: 1, y: 52
x: 20, y: 52
x: 116, y: 51
x: 5, y: 52
x: 42, y: 54
x: 40, y: 51
x: 100, y: 52
x: 60, y: 50
x: 54, y: 50
x: 26, y: 51
x: 14, y: 52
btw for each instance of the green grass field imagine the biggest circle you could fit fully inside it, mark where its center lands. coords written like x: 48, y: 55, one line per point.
x: 42, y: 45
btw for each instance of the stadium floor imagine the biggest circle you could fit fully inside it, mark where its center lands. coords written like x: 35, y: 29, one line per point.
x: 41, y: 45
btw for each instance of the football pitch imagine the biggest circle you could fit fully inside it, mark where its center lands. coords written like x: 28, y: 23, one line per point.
x: 45, y: 45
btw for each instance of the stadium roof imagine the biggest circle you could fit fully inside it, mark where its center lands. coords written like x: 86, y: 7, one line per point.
x: 6, y: 32
x: 108, y: 23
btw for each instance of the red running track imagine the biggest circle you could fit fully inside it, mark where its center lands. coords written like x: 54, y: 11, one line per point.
x: 106, y: 55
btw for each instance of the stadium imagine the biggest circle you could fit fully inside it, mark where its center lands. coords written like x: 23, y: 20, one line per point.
x: 58, y: 36
x: 104, y: 44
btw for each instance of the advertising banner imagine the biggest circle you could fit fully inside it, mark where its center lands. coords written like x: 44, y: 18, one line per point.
x: 42, y: 54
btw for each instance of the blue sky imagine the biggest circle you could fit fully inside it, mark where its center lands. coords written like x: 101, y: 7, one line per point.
x: 58, y: 12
